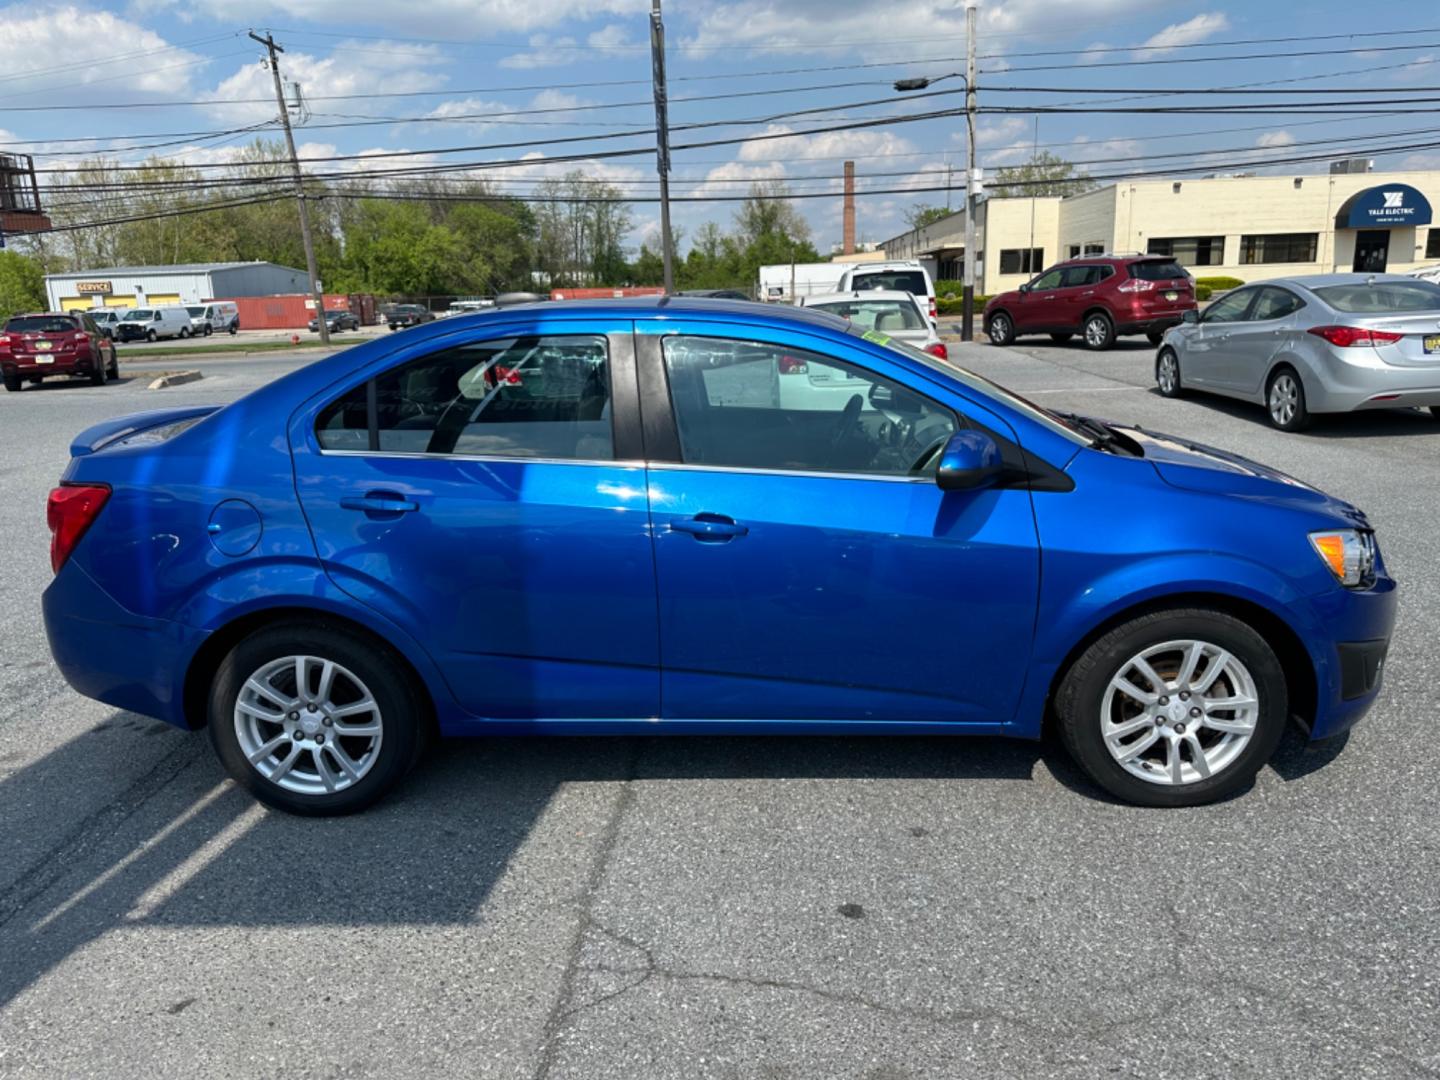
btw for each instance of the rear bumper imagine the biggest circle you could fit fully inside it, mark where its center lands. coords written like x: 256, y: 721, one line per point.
x: 113, y: 655
x: 1359, y: 624
x: 26, y: 366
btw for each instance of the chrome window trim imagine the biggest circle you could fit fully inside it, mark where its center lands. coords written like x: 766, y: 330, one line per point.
x: 421, y: 455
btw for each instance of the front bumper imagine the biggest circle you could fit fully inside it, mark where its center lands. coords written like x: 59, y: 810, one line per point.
x: 111, y: 654
x: 1350, y: 664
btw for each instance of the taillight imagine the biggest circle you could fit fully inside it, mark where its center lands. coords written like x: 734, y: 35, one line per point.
x: 1135, y: 284
x: 934, y: 311
x: 1348, y: 336
x: 82, y: 336
x: 938, y: 349
x: 72, y: 509
x: 793, y: 365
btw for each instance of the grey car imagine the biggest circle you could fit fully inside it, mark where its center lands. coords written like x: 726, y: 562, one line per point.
x: 1316, y: 344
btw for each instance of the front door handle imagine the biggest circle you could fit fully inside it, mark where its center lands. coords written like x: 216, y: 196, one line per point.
x: 709, y: 528
x: 379, y: 502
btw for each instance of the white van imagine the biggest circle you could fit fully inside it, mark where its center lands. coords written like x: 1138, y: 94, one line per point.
x: 153, y: 323
x: 909, y: 275
x: 214, y: 317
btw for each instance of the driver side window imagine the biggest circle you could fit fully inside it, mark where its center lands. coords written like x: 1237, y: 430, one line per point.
x: 1048, y: 280
x: 755, y: 405
x: 1229, y: 308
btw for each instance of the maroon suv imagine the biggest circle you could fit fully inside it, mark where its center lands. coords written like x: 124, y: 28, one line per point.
x: 35, y: 347
x: 1100, y: 297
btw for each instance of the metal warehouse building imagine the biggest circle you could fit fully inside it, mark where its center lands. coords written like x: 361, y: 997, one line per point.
x: 191, y: 283
x: 1249, y: 227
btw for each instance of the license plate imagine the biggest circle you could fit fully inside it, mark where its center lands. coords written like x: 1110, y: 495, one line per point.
x: 1432, y: 343
x: 1172, y: 295
x: 44, y: 359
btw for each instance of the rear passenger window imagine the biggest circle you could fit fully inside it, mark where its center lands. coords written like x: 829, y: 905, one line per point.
x: 523, y: 397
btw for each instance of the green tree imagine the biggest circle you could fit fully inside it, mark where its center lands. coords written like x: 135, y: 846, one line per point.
x: 1043, y: 175
x: 768, y: 211
x: 649, y: 267
x: 22, y: 284
x: 921, y: 215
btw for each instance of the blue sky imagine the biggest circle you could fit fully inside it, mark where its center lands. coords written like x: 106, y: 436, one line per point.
x: 452, y: 74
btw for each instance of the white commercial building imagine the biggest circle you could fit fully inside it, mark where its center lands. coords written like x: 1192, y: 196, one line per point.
x: 188, y: 283
x: 1248, y: 227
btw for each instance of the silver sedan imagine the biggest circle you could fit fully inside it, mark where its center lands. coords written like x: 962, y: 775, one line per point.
x: 1315, y: 344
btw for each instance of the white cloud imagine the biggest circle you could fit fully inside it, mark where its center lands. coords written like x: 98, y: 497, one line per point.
x: 459, y: 20
x: 474, y: 115
x: 545, y: 51
x: 866, y: 143
x: 36, y: 41
x: 402, y: 69
x: 1190, y: 32
x: 1275, y: 138
x: 735, y: 177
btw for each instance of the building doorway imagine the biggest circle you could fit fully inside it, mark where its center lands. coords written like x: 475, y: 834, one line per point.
x: 1372, y: 251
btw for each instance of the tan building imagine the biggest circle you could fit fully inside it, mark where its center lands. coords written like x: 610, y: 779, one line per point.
x: 1248, y: 227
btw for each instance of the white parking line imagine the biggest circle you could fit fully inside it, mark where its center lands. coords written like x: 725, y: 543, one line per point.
x: 1088, y: 390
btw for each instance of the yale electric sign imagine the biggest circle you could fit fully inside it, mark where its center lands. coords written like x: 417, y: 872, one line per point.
x: 1384, y: 207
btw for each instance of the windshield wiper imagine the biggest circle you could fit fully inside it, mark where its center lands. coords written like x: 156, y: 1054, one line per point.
x: 1102, y: 435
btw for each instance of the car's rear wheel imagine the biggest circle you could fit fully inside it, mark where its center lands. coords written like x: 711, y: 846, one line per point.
x: 114, y: 363
x: 150, y: 335
x: 185, y: 331
x: 1060, y: 339
x: 1002, y: 329
x: 209, y: 329
x: 1175, y: 708
x: 315, y: 719
x: 13, y: 384
x: 1167, y: 373
x: 234, y: 329
x: 1154, y: 338
x: 1285, y: 401
x: 97, y: 377
x: 1099, y: 331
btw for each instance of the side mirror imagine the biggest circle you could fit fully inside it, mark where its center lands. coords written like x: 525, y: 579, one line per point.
x: 1192, y: 317
x: 1025, y: 288
x: 969, y: 461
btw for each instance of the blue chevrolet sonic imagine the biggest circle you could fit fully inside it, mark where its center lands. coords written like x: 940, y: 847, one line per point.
x: 690, y: 515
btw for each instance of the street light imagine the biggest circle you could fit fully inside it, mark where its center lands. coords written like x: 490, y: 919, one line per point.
x: 972, y: 179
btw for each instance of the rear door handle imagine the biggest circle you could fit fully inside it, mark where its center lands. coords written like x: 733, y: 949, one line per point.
x: 709, y: 528
x: 379, y: 502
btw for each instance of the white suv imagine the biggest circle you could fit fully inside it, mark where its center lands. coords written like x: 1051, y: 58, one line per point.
x: 909, y: 275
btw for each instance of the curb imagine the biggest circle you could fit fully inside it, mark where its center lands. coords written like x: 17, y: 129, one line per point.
x: 175, y: 379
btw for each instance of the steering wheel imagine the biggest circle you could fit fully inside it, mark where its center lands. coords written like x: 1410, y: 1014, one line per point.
x: 849, y: 420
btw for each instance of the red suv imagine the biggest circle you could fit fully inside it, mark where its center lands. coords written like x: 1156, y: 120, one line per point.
x: 35, y: 347
x: 1100, y: 297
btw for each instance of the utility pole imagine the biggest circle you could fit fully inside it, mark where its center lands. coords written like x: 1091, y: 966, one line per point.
x: 269, y: 42
x: 662, y: 138
x: 972, y: 179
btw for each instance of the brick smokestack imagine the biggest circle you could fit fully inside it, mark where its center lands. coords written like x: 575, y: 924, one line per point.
x: 849, y: 239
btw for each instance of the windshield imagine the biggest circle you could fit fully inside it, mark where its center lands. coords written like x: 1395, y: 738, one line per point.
x: 882, y: 315
x: 199, y: 310
x: 911, y: 281
x: 1382, y: 297
x: 137, y: 315
x: 40, y: 324
x: 981, y: 385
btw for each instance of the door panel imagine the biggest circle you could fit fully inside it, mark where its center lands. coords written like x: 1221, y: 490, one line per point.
x: 805, y: 573
x: 1208, y: 361
x: 530, y: 581
x: 1036, y: 309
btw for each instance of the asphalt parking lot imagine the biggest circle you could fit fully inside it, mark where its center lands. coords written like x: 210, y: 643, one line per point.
x: 876, y: 909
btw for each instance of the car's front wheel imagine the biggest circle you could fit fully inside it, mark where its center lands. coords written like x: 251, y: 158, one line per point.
x: 150, y: 335
x: 1174, y: 708
x: 1167, y: 373
x: 315, y: 719
x: 1002, y: 329
x: 1285, y: 401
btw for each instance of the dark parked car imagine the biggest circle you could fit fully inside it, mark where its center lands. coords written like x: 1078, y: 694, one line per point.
x: 335, y: 321
x: 666, y: 515
x: 1101, y: 297
x: 715, y: 294
x: 403, y: 315
x: 36, y: 347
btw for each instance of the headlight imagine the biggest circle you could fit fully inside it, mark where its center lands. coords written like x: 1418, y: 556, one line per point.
x: 1349, y: 554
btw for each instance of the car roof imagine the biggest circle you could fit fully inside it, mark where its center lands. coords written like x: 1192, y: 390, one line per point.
x: 646, y: 307
x: 861, y: 294
x: 1319, y: 281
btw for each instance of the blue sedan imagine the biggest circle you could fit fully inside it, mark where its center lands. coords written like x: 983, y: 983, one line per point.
x: 688, y: 515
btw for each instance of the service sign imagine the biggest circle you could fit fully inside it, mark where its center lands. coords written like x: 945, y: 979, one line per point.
x: 92, y: 288
x: 1384, y: 207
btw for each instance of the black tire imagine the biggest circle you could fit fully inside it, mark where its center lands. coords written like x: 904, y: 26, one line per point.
x: 97, y: 377
x: 1001, y: 328
x: 403, y: 709
x: 1081, y: 699
x: 1435, y: 411
x: 185, y: 331
x: 234, y: 328
x: 1167, y: 373
x: 1060, y: 339
x: 151, y: 336
x: 114, y: 363
x: 1154, y: 338
x: 13, y: 384
x: 1098, y: 331
x: 209, y: 329
x: 1297, y: 416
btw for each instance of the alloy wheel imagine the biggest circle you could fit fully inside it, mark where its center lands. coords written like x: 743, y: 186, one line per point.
x: 999, y: 329
x: 1096, y: 332
x: 1179, y: 712
x: 1284, y: 397
x: 308, y: 725
x: 1169, y: 375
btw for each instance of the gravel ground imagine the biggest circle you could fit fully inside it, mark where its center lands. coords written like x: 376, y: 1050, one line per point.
x: 729, y: 907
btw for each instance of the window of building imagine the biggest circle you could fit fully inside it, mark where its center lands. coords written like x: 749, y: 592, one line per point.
x: 1021, y: 260
x: 1432, y: 244
x: 1190, y: 250
x: 755, y: 405
x: 1279, y: 248
x: 523, y: 397
x: 1074, y: 251
x: 1094, y: 248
